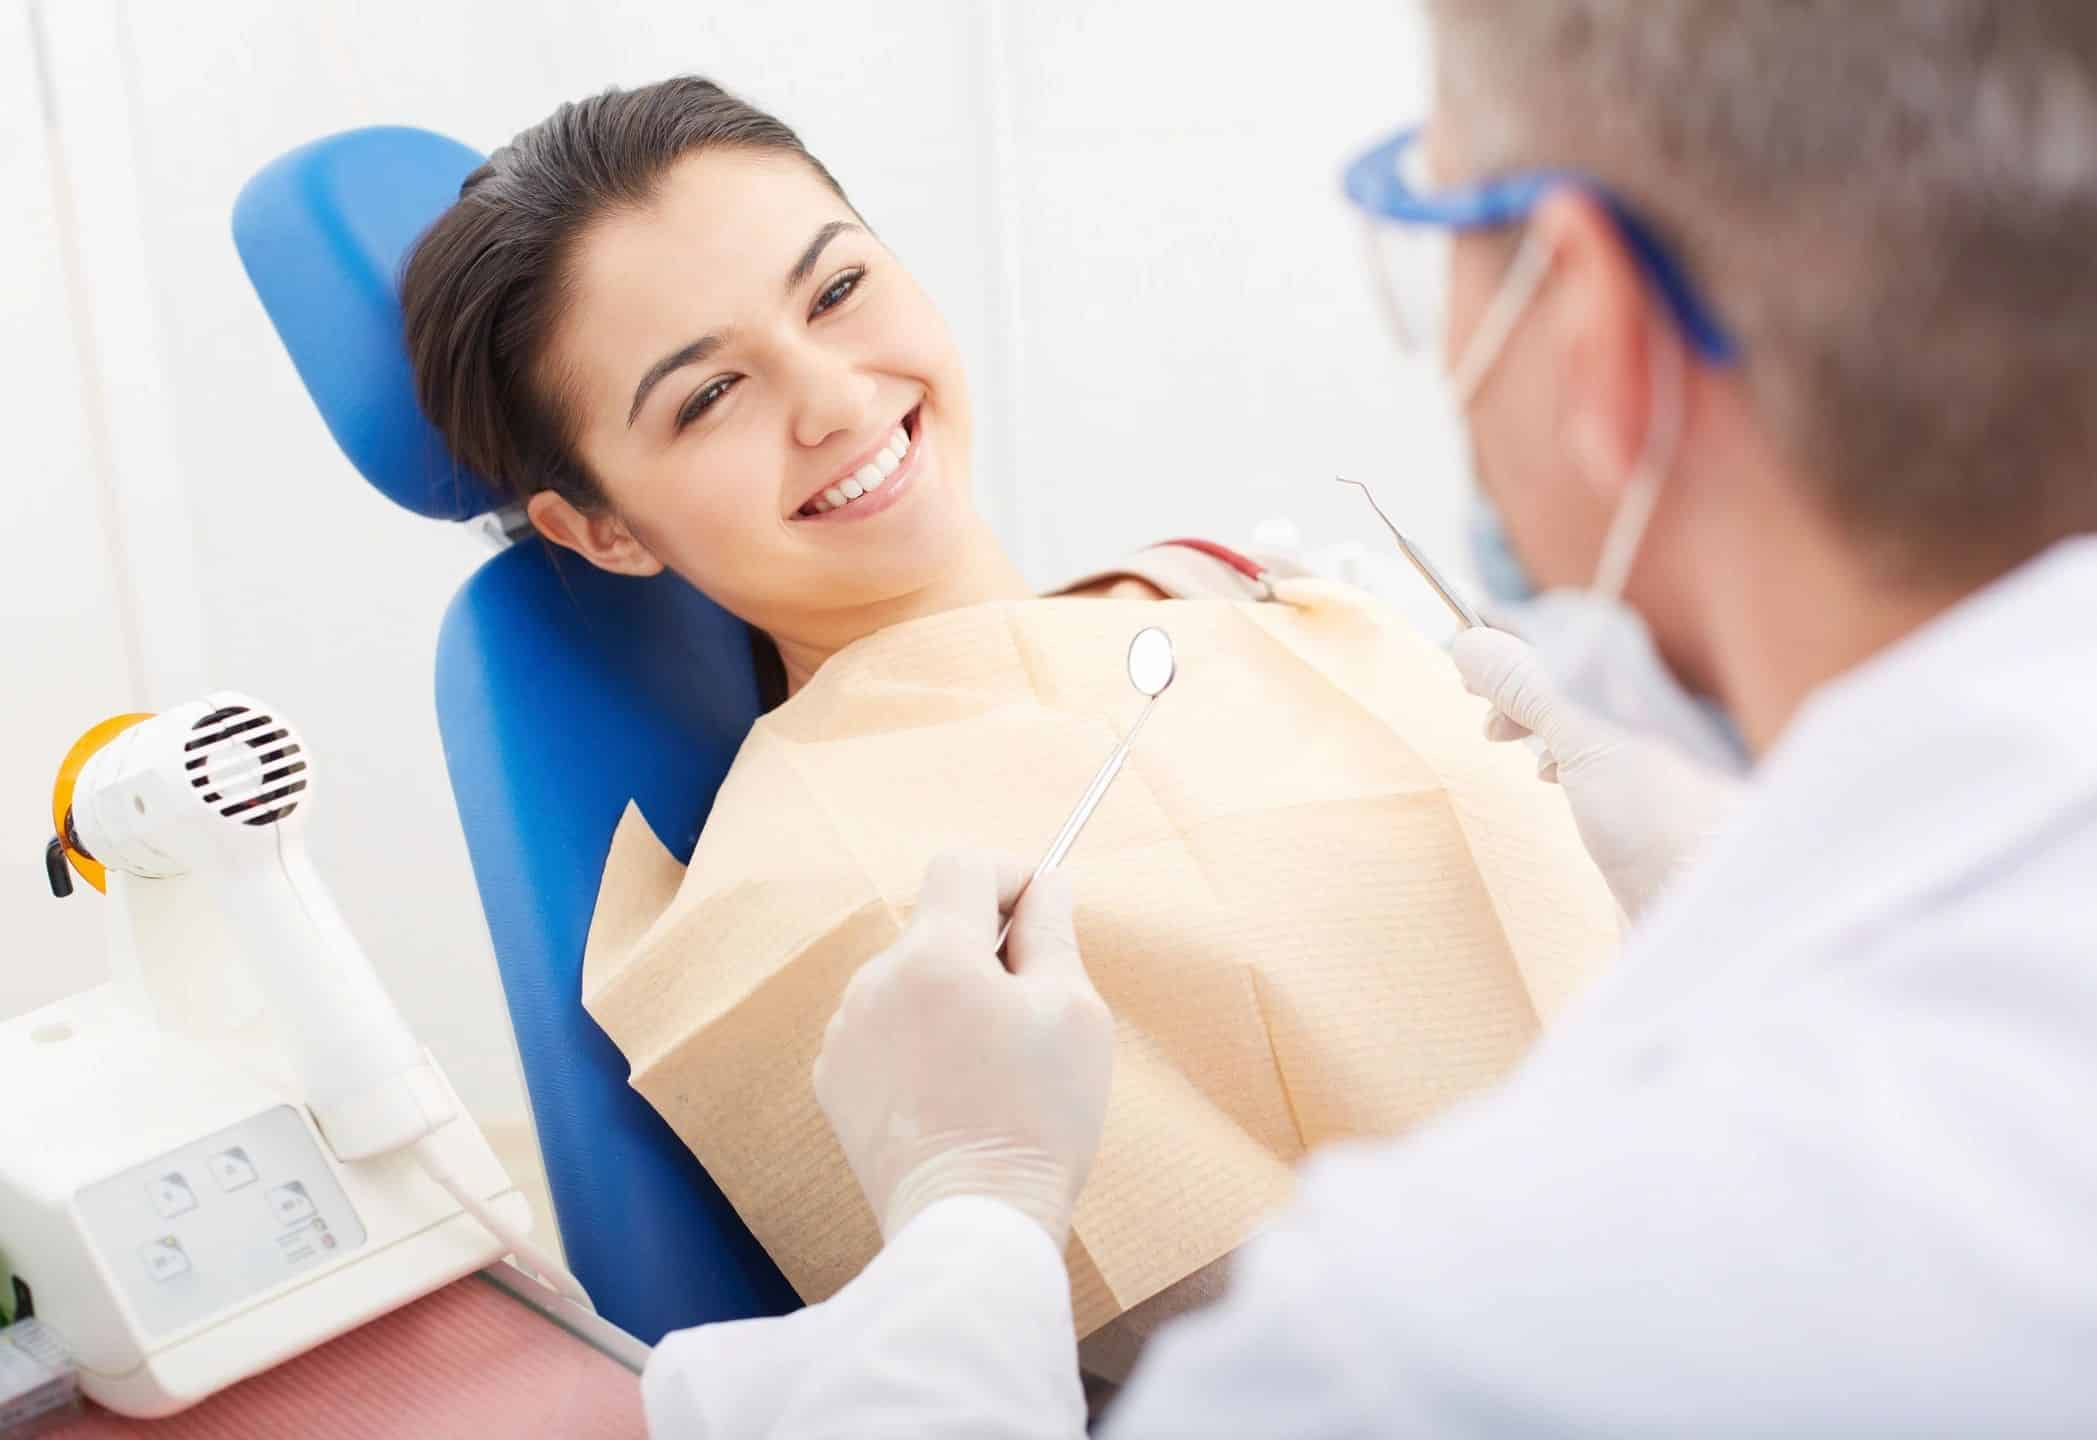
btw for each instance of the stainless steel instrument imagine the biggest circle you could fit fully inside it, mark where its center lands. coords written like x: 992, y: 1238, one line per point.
x: 1458, y: 607
x: 1151, y: 669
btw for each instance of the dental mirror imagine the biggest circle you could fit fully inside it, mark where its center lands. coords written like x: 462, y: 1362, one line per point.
x: 1151, y: 665
x: 1151, y: 668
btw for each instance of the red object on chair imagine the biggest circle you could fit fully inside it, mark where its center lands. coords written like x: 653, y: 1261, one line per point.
x: 1249, y: 568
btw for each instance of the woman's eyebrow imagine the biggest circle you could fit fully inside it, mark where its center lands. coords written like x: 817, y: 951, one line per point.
x: 805, y: 266
x: 692, y: 354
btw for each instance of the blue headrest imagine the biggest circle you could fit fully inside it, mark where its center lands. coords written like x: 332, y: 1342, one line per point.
x: 323, y: 232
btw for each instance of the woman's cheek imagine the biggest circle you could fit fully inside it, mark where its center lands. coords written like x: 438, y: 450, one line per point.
x: 734, y: 522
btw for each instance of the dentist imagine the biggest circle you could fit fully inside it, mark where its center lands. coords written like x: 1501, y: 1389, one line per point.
x: 1775, y: 330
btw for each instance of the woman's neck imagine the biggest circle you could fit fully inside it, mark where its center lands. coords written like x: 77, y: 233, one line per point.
x: 982, y: 573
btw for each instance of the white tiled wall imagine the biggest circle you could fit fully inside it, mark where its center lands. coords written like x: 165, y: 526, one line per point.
x: 1128, y: 211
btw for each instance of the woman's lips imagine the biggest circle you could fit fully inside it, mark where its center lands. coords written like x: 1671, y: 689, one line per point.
x: 891, y: 490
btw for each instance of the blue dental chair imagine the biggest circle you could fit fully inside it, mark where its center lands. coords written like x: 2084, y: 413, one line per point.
x: 562, y: 693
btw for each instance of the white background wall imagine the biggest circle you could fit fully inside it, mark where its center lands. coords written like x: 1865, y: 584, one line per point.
x: 1130, y: 213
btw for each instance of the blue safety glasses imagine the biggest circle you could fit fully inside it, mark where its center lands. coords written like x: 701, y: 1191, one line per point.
x: 1388, y: 184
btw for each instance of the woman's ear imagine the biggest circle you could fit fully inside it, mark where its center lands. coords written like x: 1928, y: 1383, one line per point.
x: 598, y: 535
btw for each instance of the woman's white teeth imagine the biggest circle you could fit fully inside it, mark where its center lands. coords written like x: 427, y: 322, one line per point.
x: 886, y: 462
x: 868, y: 477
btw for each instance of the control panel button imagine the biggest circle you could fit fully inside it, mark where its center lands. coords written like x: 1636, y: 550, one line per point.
x: 306, y: 1240
x: 290, y: 1203
x: 232, y: 1168
x: 164, y: 1258
x: 172, y: 1196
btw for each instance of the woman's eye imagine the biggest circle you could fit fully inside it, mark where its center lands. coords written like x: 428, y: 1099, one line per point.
x: 837, y: 290
x: 703, y: 399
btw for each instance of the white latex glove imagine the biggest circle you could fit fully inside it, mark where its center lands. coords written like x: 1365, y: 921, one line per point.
x: 1644, y: 810
x: 943, y: 1074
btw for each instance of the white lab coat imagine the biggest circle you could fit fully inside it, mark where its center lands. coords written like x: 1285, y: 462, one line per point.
x: 1818, y: 1158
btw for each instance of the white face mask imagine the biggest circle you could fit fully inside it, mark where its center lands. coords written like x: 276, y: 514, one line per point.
x: 1595, y: 647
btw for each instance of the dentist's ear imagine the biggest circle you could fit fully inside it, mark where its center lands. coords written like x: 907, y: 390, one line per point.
x: 1596, y: 313
x: 598, y: 535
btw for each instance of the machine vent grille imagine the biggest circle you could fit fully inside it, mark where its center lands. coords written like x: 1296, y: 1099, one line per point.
x: 246, y: 764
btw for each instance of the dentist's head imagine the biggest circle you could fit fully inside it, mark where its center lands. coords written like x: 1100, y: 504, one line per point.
x: 1776, y: 321
x: 656, y: 320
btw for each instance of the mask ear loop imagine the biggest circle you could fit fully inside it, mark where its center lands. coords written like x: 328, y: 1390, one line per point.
x: 1627, y: 528
x: 1532, y: 263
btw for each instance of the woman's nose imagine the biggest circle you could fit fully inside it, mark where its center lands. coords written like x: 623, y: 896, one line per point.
x: 832, y: 397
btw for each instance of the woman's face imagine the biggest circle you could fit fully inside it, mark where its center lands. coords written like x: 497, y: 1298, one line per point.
x: 741, y: 355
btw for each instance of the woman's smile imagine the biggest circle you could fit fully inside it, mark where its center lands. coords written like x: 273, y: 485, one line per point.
x: 874, y: 483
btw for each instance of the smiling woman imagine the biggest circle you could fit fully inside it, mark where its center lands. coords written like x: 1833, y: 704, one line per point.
x: 657, y: 321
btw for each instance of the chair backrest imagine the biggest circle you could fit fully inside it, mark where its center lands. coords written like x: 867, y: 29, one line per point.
x: 562, y: 693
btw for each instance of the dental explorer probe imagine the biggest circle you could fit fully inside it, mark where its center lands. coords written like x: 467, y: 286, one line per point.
x: 1464, y: 614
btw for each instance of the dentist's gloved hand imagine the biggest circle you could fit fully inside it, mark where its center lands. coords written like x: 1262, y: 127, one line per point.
x: 1644, y: 811
x: 943, y: 1074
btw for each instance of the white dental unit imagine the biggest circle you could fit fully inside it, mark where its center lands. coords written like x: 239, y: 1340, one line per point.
x: 234, y: 1151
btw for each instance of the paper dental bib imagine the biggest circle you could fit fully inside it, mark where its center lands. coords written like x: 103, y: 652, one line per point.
x: 1318, y: 901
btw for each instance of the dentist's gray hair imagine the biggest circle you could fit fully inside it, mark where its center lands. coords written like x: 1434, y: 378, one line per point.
x: 1893, y: 207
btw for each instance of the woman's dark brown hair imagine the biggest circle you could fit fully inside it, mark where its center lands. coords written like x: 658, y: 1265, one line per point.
x: 483, y: 289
